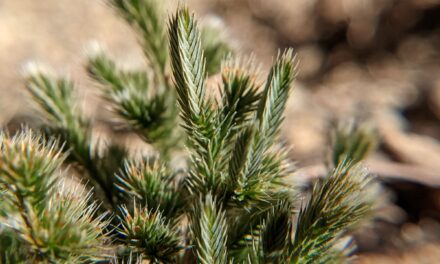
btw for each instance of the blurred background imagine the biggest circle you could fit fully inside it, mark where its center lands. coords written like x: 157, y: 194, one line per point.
x: 373, y: 60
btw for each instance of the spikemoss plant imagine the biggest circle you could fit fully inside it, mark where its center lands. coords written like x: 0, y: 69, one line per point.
x: 229, y: 204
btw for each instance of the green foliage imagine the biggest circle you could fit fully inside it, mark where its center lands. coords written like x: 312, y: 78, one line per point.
x: 214, y: 47
x: 273, y: 101
x: 153, y: 114
x: 240, y: 93
x: 149, y: 114
x: 353, y: 141
x: 253, y: 157
x: 12, y: 250
x: 51, y: 224
x: 150, y: 234
x: 188, y: 63
x: 227, y: 203
x: 66, y: 230
x: 130, y: 259
x: 65, y: 121
x: 27, y: 164
x: 276, y: 232
x: 206, y: 137
x: 209, y: 230
x: 153, y: 185
x: 338, y: 203
x: 147, y: 18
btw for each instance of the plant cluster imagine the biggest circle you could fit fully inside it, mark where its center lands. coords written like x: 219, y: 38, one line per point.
x: 229, y: 204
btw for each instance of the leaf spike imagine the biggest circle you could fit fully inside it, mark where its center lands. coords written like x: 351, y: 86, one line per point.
x: 188, y: 63
x: 276, y: 92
